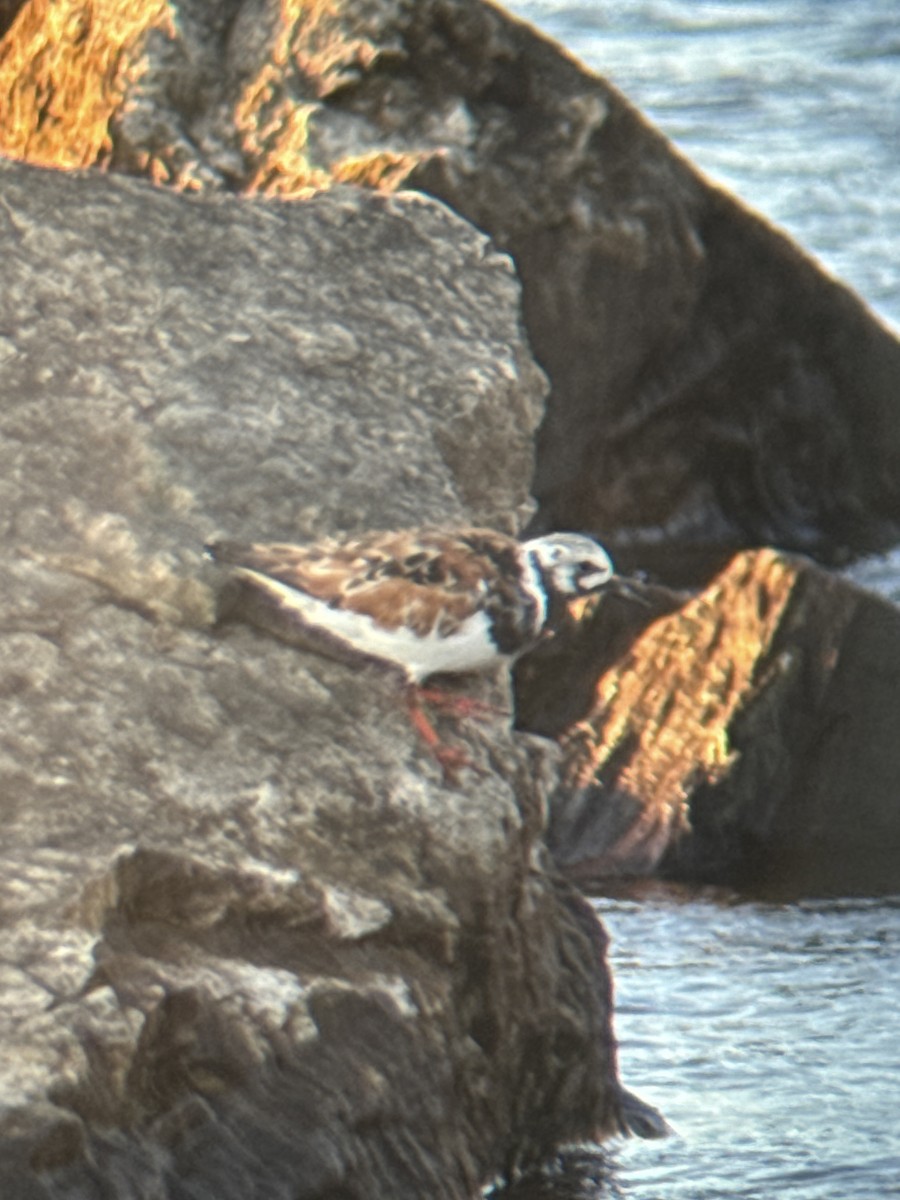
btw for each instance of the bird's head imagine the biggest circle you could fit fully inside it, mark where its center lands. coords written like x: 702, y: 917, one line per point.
x: 573, y: 564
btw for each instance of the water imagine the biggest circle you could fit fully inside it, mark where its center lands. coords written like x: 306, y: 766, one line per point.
x: 769, y: 1035
x: 792, y: 104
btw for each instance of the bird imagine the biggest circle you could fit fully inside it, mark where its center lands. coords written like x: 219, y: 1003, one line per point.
x: 422, y: 602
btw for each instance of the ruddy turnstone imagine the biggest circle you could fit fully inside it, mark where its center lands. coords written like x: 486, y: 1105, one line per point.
x: 424, y: 601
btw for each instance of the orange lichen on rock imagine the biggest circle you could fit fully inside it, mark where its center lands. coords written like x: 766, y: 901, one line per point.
x: 65, y: 66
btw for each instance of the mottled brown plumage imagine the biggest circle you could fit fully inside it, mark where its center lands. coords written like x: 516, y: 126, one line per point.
x: 427, y: 580
x: 425, y: 601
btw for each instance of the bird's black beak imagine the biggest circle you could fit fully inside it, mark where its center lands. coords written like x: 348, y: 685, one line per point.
x: 628, y: 589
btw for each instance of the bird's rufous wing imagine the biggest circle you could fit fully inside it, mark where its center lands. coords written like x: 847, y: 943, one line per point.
x: 426, y: 580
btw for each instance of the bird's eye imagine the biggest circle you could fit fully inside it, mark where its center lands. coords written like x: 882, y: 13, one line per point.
x: 586, y: 566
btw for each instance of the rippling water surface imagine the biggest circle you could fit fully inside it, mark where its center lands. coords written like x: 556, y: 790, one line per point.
x: 768, y: 1034
x: 793, y: 104
x: 770, y: 1037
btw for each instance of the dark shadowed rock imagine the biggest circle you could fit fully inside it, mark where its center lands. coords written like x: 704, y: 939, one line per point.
x: 8, y: 11
x: 712, y: 388
x: 252, y: 946
x: 747, y: 737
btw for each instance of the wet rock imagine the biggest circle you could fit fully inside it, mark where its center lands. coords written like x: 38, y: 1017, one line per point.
x: 251, y: 944
x: 746, y: 738
x: 712, y: 388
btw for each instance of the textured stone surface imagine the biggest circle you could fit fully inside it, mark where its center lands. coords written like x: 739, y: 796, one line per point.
x: 744, y: 737
x: 251, y: 945
x: 712, y: 388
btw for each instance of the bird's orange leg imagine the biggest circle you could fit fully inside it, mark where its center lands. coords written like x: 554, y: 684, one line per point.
x: 452, y: 759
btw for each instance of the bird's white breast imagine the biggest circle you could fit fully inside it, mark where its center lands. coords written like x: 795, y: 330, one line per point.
x: 469, y: 648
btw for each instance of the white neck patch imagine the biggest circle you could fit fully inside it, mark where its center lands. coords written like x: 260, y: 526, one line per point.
x: 533, y: 585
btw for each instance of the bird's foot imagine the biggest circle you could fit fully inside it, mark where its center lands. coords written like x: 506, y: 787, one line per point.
x: 452, y: 759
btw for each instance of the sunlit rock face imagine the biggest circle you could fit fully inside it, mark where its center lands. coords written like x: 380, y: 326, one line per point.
x: 740, y: 737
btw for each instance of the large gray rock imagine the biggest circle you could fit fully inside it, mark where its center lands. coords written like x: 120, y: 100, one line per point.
x: 252, y: 945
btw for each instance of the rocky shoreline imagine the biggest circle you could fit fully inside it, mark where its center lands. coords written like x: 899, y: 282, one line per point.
x: 380, y: 264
